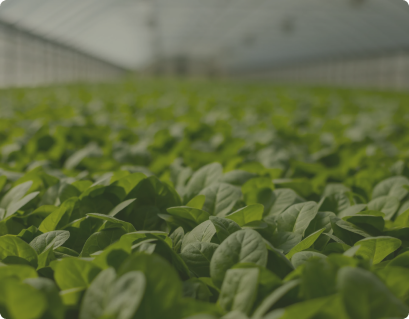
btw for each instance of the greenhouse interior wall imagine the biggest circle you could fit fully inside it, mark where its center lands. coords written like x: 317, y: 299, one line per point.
x: 382, y: 71
x: 27, y: 59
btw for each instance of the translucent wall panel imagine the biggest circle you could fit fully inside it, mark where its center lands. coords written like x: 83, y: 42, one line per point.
x: 27, y: 59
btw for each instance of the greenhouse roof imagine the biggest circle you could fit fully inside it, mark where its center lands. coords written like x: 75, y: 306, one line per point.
x: 242, y: 34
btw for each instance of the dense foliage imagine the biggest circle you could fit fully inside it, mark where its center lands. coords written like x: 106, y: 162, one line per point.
x: 161, y: 200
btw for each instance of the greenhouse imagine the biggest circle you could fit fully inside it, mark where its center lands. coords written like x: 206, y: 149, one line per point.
x: 186, y: 159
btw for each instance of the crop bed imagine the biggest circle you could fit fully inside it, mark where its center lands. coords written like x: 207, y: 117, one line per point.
x: 165, y: 200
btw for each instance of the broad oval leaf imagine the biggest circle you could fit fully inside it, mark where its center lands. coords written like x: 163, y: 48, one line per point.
x: 243, y: 246
x: 220, y: 198
x: 13, y: 249
x: 247, y: 214
x: 297, y: 218
x: 377, y: 248
x: 51, y: 240
x: 203, y: 178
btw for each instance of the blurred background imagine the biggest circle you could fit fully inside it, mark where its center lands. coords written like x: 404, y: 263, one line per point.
x: 353, y: 43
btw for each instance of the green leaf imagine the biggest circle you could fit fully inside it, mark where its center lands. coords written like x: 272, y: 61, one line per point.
x: 15, y: 194
x: 117, y: 209
x: 112, y: 220
x: 301, y: 257
x: 352, y: 210
x: 162, y: 283
x: 396, y: 278
x: 152, y: 192
x: 60, y: 217
x: 386, y: 204
x: 51, y: 240
x: 306, y: 243
x: 95, y: 298
x: 243, y: 246
x: 125, y: 295
x: 19, y: 272
x: 197, y: 202
x: 237, y: 177
x: 347, y: 232
x: 373, y: 222
x: 297, y: 218
x: 220, y: 199
x: 197, y: 257
x: 282, y: 199
x: 15, y: 206
x: 239, y: 290
x: 177, y: 239
x: 22, y: 300
x: 109, y: 297
x: 113, y: 255
x: 277, y: 262
x: 392, y: 186
x: 273, y: 298
x: 100, y: 240
x: 15, y: 250
x: 201, y: 179
x: 224, y: 227
x: 402, y: 220
x: 285, y: 241
x: 47, y: 287
x: 377, y: 248
x: 366, y: 297
x: 321, y: 220
x: 123, y: 187
x: 195, y: 215
x: 70, y: 273
x: 247, y: 214
x: 304, y: 310
x: 201, y: 233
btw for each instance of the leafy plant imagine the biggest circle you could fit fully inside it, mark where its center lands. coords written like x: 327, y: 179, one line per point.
x: 201, y: 201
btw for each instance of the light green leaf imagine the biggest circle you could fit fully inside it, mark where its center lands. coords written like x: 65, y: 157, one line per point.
x: 70, y: 273
x: 301, y: 257
x: 197, y: 202
x: 197, y: 257
x: 392, y: 186
x: 203, y: 178
x: 15, y: 206
x: 297, y: 218
x: 224, y: 227
x: 14, y: 250
x: 282, y: 199
x: 220, y: 198
x: 306, y: 243
x: 247, y: 214
x: 366, y: 297
x: 377, y: 248
x: 100, y: 240
x: 385, y: 204
x: 51, y: 240
x: 239, y: 290
x: 201, y: 233
x: 162, y: 283
x: 128, y: 227
x: 195, y: 215
x: 15, y: 194
x: 243, y: 246
x: 117, y: 209
x: 273, y: 298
